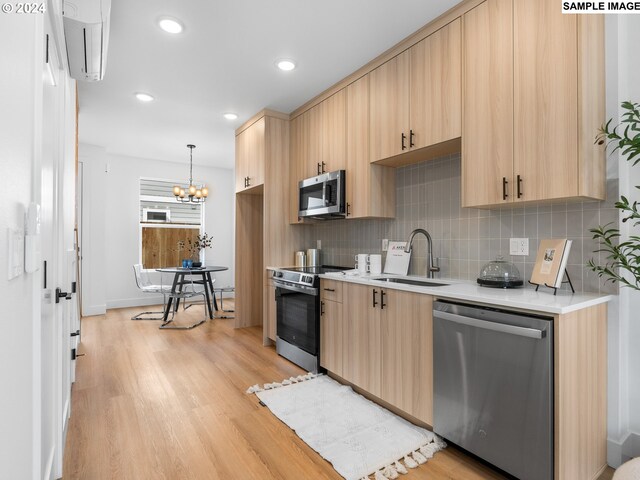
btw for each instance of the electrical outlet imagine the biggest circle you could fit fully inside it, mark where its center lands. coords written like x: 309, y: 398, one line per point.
x: 385, y: 244
x: 319, y: 244
x: 519, y: 246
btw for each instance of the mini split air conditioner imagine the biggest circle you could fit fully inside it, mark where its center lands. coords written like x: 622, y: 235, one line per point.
x: 86, y: 31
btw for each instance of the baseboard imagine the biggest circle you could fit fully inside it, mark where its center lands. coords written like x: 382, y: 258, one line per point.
x: 135, y: 302
x: 93, y: 310
x: 145, y: 301
x: 48, y: 471
x: 631, y: 447
x: 614, y: 453
x: 621, y: 451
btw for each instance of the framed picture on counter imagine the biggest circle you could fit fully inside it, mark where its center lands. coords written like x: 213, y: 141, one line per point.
x: 551, y: 262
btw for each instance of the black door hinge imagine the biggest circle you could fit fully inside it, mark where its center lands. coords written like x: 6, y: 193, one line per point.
x: 75, y: 355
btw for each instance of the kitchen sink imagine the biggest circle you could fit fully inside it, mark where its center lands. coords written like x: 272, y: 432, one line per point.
x: 410, y: 281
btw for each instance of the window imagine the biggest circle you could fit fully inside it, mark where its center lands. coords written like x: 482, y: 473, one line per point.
x: 166, y: 223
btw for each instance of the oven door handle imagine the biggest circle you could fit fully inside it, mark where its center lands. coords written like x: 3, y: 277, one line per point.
x: 296, y: 288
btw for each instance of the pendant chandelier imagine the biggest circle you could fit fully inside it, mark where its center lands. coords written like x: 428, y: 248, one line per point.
x: 191, y: 194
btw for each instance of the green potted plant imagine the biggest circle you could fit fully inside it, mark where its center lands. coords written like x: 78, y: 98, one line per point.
x: 623, y: 258
x: 198, y: 244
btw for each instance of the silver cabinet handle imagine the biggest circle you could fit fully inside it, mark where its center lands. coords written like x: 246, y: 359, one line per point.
x: 497, y: 327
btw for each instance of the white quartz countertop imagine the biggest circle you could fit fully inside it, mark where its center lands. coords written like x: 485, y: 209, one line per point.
x: 520, y: 298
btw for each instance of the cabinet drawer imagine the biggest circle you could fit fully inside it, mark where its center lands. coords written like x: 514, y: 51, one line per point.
x: 331, y: 290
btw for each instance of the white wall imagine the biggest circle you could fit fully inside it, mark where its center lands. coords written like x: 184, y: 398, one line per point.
x: 623, y: 83
x: 21, y: 98
x: 93, y: 225
x: 111, y: 223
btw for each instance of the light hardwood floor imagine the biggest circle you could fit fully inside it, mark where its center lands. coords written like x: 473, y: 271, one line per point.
x: 171, y: 404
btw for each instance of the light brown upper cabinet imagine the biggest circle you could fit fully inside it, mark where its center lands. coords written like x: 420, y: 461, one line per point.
x: 317, y: 143
x: 333, y: 134
x: 371, y: 189
x: 415, y: 98
x: 250, y: 157
x: 487, y: 140
x: 532, y: 104
x: 389, y: 108
x: 435, y: 94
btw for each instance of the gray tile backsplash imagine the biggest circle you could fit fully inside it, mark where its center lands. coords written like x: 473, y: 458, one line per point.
x: 428, y: 196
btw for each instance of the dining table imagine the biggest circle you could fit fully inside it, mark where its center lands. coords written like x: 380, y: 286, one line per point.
x: 179, y: 275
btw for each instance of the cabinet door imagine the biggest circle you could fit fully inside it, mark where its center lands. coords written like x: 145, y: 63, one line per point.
x: 331, y: 336
x: 389, y: 108
x: 296, y: 158
x: 436, y: 87
x: 361, y: 359
x: 242, y: 160
x: 312, y: 143
x: 358, y: 184
x: 487, y: 140
x: 256, y: 161
x: 545, y: 100
x: 333, y: 117
x: 271, y: 312
x: 407, y: 353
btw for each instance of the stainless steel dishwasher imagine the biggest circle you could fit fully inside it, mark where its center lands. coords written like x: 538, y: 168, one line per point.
x: 493, y: 386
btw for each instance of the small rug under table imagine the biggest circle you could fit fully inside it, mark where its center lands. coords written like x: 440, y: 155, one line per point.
x: 358, y: 437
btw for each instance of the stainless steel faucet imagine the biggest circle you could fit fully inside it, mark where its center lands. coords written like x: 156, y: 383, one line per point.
x: 431, y: 268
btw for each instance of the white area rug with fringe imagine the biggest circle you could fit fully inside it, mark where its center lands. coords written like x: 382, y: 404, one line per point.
x: 359, y: 438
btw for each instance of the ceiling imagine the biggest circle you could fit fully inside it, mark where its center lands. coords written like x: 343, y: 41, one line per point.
x: 224, y: 61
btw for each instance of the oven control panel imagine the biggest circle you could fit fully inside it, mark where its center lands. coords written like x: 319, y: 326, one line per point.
x: 294, y: 277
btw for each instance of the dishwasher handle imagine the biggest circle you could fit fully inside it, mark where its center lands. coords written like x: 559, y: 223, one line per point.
x: 497, y: 327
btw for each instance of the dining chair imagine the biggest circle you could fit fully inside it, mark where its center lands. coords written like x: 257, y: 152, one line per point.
x: 222, y: 291
x: 203, y: 284
x: 145, y: 285
x: 186, y: 290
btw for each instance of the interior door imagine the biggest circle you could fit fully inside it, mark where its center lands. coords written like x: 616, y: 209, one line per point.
x: 50, y: 328
x: 57, y: 196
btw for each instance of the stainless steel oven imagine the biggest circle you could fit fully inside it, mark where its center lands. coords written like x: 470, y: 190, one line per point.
x: 323, y: 197
x: 298, y: 314
x: 297, y: 324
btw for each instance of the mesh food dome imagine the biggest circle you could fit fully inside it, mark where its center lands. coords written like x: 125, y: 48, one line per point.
x: 501, y: 274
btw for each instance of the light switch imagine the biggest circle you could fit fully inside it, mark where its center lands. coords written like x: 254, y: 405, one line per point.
x: 385, y: 244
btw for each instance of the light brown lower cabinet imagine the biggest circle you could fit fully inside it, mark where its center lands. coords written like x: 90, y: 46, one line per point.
x: 331, y: 336
x: 361, y: 348
x: 407, y: 352
x: 381, y: 340
x: 384, y: 341
x: 270, y: 311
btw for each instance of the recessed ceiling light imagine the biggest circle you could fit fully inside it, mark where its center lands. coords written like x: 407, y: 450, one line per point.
x: 286, y: 65
x: 144, y: 97
x: 170, y: 25
x: 230, y: 116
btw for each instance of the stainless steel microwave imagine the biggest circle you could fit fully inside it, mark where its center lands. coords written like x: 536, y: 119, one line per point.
x: 323, y: 197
